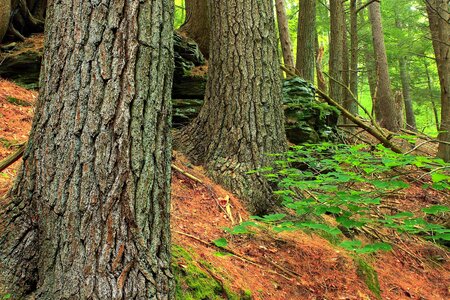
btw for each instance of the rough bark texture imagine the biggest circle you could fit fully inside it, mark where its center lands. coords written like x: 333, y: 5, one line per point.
x: 439, y: 17
x: 197, y: 23
x: 89, y: 212
x: 406, y: 91
x: 5, y: 10
x: 285, y: 37
x: 241, y: 120
x: 336, y: 63
x: 385, y: 111
x: 306, y: 35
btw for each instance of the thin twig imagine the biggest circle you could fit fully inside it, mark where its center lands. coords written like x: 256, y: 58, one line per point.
x: 188, y: 175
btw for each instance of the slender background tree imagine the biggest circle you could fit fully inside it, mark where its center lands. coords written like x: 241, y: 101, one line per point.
x: 306, y: 39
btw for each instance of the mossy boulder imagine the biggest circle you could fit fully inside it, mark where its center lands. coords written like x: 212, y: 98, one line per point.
x: 307, y: 120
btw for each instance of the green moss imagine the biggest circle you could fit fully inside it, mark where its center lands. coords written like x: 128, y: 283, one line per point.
x: 7, y: 143
x: 369, y: 275
x: 194, y: 282
x: 18, y: 102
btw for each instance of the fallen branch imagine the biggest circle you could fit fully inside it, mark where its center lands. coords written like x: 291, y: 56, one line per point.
x: 375, y: 132
x: 188, y: 175
x: 12, y: 158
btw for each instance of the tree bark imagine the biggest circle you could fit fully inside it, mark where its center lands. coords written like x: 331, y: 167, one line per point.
x: 241, y: 120
x: 5, y: 10
x: 336, y: 63
x: 89, y: 211
x: 348, y: 99
x: 406, y: 91
x: 306, y: 39
x: 430, y: 93
x: 197, y: 24
x: 385, y: 111
x: 439, y: 19
x: 354, y: 52
x: 285, y: 37
x: 320, y: 50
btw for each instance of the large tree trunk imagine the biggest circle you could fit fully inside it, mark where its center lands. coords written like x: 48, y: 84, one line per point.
x: 242, y: 119
x: 5, y: 11
x: 89, y: 212
x: 406, y: 91
x: 306, y: 39
x: 336, y: 63
x: 385, y: 111
x: 197, y: 23
x: 285, y: 37
x: 439, y: 17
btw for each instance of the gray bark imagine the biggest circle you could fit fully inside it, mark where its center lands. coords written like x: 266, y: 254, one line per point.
x: 385, y: 111
x: 241, y: 120
x: 306, y: 39
x: 88, y: 216
x: 439, y: 17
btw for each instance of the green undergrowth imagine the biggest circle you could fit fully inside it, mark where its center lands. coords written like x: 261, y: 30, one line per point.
x: 339, y: 191
x: 195, y: 278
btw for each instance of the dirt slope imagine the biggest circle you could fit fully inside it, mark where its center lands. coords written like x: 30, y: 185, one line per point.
x: 265, y: 265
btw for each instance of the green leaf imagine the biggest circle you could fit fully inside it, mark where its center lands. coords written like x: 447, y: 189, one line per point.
x: 317, y: 226
x: 222, y: 242
x: 442, y: 236
x: 321, y: 209
x: 438, y: 177
x: 348, y: 223
x: 374, y: 248
x: 222, y: 254
x: 436, y: 209
x: 273, y: 218
x: 351, y: 245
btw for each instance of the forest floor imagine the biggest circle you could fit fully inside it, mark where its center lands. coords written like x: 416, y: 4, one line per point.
x: 265, y: 264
